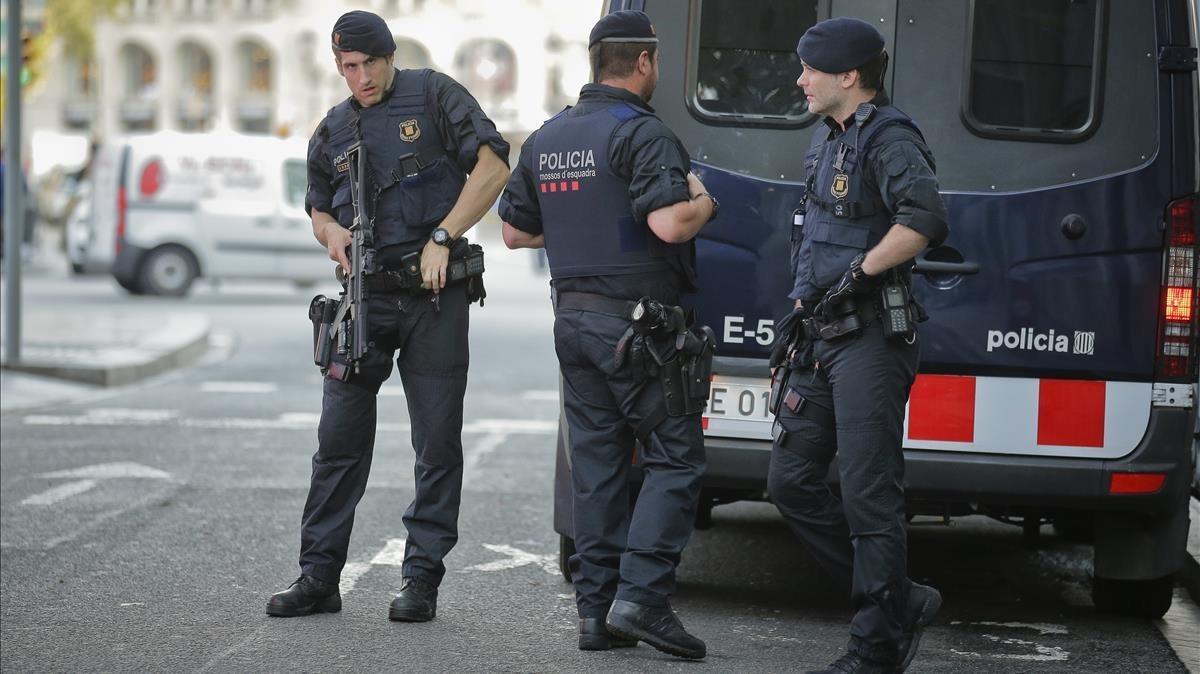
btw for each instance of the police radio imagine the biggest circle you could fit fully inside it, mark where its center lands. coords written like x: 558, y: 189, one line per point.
x: 894, y: 310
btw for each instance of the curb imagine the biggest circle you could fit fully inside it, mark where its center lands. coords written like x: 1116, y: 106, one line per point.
x: 181, y: 341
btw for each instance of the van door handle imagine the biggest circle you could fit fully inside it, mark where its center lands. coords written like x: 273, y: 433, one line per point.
x: 924, y: 266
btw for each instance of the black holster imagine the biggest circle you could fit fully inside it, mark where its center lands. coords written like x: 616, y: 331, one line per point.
x: 322, y: 311
x: 686, y: 376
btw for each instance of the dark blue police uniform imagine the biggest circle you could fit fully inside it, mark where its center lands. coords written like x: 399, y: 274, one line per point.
x: 587, y: 180
x: 421, y: 140
x: 848, y: 395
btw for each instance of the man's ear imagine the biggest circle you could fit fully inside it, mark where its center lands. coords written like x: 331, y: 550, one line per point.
x: 850, y: 79
x: 645, y: 63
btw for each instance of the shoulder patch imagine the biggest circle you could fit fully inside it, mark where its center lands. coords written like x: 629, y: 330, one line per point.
x: 625, y: 112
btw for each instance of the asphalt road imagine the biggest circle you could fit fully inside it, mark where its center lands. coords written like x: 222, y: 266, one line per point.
x: 144, y: 528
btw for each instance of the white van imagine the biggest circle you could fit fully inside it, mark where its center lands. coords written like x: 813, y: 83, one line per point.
x: 169, y: 207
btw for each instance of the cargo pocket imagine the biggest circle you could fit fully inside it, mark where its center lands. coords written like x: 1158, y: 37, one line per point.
x: 833, y: 247
x: 428, y: 196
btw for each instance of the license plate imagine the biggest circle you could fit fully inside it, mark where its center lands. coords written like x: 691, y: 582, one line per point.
x: 738, y: 408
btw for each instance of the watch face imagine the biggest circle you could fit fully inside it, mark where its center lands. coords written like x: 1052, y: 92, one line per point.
x: 440, y: 236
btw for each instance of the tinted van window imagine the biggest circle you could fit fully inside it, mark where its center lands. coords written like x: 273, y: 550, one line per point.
x: 747, y: 63
x: 295, y: 182
x: 1034, y: 66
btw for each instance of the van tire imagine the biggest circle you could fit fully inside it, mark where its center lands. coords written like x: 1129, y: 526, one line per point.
x: 168, y: 271
x: 1137, y: 598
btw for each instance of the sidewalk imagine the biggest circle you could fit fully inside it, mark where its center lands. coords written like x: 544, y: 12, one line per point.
x: 66, y: 354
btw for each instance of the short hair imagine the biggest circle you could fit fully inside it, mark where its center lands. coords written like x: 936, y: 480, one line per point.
x: 871, y: 73
x: 617, y: 59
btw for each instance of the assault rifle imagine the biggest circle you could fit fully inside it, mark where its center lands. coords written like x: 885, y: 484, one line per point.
x: 352, y: 326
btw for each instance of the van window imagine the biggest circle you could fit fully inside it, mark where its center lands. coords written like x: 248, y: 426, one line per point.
x: 1034, y: 68
x: 295, y: 182
x: 747, y: 64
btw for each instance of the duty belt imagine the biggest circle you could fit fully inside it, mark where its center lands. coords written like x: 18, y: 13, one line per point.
x: 409, y: 278
x: 582, y: 301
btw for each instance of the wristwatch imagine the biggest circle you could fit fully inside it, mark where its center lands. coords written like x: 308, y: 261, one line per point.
x: 441, y: 237
x: 716, y: 204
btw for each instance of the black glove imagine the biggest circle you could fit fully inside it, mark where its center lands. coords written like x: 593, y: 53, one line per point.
x: 855, y: 282
x: 787, y: 333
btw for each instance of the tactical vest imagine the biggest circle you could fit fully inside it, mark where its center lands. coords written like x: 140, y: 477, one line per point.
x: 587, y: 215
x: 842, y: 216
x: 413, y: 183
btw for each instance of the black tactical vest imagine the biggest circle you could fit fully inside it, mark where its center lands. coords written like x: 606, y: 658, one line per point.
x: 413, y: 183
x: 587, y: 215
x: 843, y: 217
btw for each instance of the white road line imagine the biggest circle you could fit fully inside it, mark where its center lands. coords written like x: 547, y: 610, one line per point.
x: 351, y: 572
x: 547, y: 395
x: 515, y: 557
x: 391, y: 392
x: 239, y: 387
x: 105, y: 471
x: 392, y: 554
x: 55, y: 494
x: 475, y: 454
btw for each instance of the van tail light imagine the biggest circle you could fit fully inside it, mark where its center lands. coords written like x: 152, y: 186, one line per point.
x: 122, y: 208
x: 152, y: 179
x: 1136, y: 483
x: 1177, y: 311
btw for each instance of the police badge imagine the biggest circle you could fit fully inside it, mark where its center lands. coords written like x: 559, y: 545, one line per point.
x: 841, y: 186
x: 409, y: 130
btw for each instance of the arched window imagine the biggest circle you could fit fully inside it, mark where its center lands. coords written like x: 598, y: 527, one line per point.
x: 488, y: 69
x: 255, y: 104
x: 139, y: 88
x: 411, y: 54
x: 195, y: 87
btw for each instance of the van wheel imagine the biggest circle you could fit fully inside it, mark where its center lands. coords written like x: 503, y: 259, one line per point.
x: 168, y: 271
x: 1138, y: 598
x: 566, y: 548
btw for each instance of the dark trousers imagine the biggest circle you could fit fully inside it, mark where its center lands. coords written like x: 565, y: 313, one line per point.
x: 623, y: 555
x: 860, y: 538
x: 432, y: 359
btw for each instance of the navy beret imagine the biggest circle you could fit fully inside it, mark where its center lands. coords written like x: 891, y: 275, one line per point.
x: 839, y: 45
x: 363, y: 32
x: 627, y: 25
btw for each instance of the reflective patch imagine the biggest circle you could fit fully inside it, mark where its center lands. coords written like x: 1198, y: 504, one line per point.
x: 841, y: 186
x: 409, y: 130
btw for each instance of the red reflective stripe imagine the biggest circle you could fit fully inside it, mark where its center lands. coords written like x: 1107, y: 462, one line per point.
x: 704, y: 423
x: 543, y: 188
x: 1136, y: 483
x: 563, y: 186
x: 553, y: 187
x: 574, y: 185
x: 942, y: 407
x: 1071, y: 413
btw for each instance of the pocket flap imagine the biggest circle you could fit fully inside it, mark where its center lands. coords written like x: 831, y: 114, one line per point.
x: 842, y: 235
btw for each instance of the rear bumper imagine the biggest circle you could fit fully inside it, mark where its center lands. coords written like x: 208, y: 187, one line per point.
x: 127, y: 262
x: 999, y: 481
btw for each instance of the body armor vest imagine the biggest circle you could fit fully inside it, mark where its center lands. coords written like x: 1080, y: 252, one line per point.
x: 412, y: 182
x: 843, y: 216
x: 587, y: 214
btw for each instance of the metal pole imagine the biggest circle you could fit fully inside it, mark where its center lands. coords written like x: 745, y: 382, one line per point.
x: 14, y: 207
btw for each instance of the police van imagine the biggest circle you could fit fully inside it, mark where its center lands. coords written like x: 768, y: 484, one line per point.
x: 169, y: 207
x: 1058, y: 369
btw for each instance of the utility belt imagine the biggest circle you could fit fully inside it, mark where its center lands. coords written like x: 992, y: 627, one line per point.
x: 661, y: 342
x: 466, y: 262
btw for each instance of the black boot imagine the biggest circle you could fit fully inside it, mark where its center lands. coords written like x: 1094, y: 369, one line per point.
x: 657, y: 626
x: 304, y: 597
x: 853, y: 663
x: 416, y: 603
x: 923, y: 605
x: 594, y: 636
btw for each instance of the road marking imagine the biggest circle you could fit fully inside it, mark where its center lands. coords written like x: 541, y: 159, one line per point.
x: 543, y: 395
x: 391, y: 392
x: 1040, y: 652
x: 55, y: 494
x: 475, y: 454
x: 351, y: 572
x: 516, y: 558
x: 238, y: 387
x: 87, y: 477
x: 392, y: 554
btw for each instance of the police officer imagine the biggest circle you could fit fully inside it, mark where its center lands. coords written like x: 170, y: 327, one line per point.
x: 841, y: 382
x: 605, y: 187
x: 436, y: 164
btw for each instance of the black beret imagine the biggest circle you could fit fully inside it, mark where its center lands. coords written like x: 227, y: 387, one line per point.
x: 839, y: 45
x: 627, y: 25
x: 363, y: 32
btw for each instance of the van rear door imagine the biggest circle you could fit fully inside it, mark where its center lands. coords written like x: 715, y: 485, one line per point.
x: 1053, y: 154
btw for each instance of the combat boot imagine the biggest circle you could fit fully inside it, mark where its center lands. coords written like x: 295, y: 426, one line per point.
x: 416, y: 603
x: 305, y: 596
x: 924, y: 602
x: 594, y: 636
x: 853, y: 663
x: 656, y: 625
